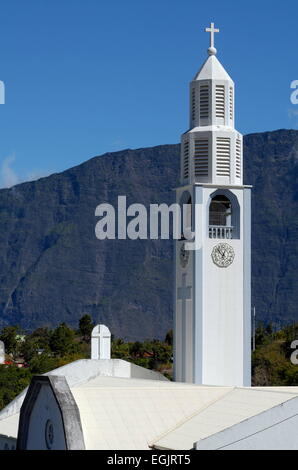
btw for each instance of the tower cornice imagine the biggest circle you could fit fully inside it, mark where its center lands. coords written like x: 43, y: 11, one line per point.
x: 218, y: 186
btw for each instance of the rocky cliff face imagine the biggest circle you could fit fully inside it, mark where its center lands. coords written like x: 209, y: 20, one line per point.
x: 271, y: 165
x: 54, y: 269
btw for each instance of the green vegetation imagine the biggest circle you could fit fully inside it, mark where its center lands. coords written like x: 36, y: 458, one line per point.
x: 155, y: 355
x: 45, y: 349
x: 12, y: 381
x: 271, y: 361
x: 86, y: 327
x: 9, y: 337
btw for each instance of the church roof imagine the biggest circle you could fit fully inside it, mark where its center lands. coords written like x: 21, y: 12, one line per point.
x: 212, y: 70
x: 132, y: 413
x: 138, y: 413
x: 76, y: 373
x: 230, y: 409
x: 272, y: 429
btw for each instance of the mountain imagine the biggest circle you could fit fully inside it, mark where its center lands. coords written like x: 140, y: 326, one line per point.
x: 271, y: 166
x: 54, y: 269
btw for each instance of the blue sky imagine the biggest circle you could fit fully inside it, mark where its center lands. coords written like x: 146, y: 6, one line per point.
x: 85, y: 77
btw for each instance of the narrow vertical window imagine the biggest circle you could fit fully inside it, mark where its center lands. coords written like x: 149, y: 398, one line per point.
x: 238, y: 158
x: 193, y: 104
x: 204, y: 101
x: 231, y: 104
x: 223, y: 155
x: 201, y: 157
x: 220, y: 101
x: 186, y: 159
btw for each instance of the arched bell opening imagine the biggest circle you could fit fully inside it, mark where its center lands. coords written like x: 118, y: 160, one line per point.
x: 220, y: 211
x: 224, y: 215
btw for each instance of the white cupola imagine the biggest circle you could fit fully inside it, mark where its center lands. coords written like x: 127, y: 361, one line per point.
x: 212, y: 96
x: 212, y: 148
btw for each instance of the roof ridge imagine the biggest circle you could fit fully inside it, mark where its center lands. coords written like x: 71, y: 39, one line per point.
x: 183, y: 421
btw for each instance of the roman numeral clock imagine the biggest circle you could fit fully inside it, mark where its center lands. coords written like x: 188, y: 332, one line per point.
x: 212, y: 327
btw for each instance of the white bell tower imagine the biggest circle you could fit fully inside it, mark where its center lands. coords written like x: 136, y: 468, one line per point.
x: 212, y: 321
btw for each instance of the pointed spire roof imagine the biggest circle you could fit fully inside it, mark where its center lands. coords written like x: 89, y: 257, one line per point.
x: 212, y: 70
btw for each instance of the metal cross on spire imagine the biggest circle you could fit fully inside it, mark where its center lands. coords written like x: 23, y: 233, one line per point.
x: 212, y: 30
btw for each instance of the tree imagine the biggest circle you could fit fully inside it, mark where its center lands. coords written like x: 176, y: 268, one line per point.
x: 169, y: 338
x: 35, y: 343
x: 86, y: 327
x: 43, y: 336
x: 162, y: 352
x: 136, y: 349
x: 269, y: 329
x: 62, y: 340
x: 28, y: 348
x: 43, y: 363
x: 8, y: 336
x: 260, y: 335
x: 12, y: 382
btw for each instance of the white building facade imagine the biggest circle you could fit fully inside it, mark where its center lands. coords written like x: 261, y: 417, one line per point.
x: 212, y: 320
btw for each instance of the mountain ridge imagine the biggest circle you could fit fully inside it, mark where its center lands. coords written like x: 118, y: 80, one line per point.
x: 54, y: 269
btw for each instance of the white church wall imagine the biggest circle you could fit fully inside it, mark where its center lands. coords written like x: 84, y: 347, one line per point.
x: 137, y: 372
x: 81, y: 371
x: 14, y: 406
x: 221, y: 300
x: 198, y: 277
x: 223, y: 306
x: 49, y: 417
x: 183, y: 317
x: 212, y: 336
x: 45, y: 416
x: 247, y: 331
x: 184, y: 326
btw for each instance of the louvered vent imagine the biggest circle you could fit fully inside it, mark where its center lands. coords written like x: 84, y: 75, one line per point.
x: 201, y: 157
x: 231, y: 104
x: 223, y: 151
x: 204, y: 101
x: 220, y: 101
x: 186, y: 160
x: 193, y: 104
x: 238, y: 158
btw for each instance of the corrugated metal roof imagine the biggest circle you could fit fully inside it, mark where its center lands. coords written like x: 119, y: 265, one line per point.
x: 230, y: 409
x: 131, y: 413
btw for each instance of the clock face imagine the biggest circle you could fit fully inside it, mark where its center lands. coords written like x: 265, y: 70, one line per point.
x: 184, y: 256
x: 223, y: 255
